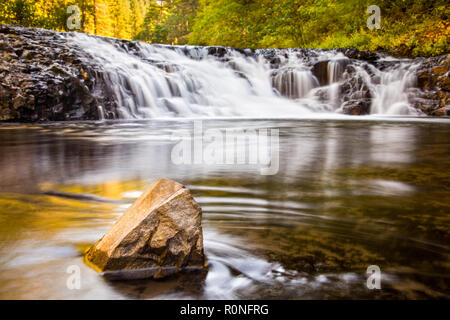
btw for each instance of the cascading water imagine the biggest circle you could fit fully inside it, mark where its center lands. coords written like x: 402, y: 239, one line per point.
x: 335, y: 69
x: 154, y: 81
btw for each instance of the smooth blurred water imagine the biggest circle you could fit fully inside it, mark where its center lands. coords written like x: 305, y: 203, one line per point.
x: 148, y: 81
x: 349, y: 194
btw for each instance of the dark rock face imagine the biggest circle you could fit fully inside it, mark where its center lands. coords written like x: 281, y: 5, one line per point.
x: 356, y: 107
x: 367, y: 56
x: 43, y: 79
x: 320, y: 71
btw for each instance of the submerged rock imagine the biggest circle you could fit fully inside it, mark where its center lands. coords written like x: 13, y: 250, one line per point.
x: 159, y: 235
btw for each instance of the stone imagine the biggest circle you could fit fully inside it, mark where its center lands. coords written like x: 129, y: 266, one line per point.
x: 27, y: 55
x: 440, y: 70
x: 159, y: 235
x: 352, y: 53
x: 38, y: 77
x: 19, y: 101
x: 48, y: 78
x: 444, y: 111
x: 444, y: 98
x: 217, y: 51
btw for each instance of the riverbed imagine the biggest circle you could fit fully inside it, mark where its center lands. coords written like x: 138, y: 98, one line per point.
x: 348, y: 194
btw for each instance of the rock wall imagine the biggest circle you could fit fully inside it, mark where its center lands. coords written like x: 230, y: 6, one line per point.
x: 160, y: 234
x: 44, y: 78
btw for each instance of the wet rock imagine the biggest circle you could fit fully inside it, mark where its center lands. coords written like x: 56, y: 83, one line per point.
x: 354, y: 87
x: 368, y: 56
x: 322, y: 94
x: 45, y: 79
x: 219, y: 52
x: 426, y: 101
x: 425, y: 80
x: 271, y: 56
x: 444, y: 82
x: 433, y: 79
x: 246, y: 52
x: 445, y: 111
x: 159, y: 235
x: 19, y: 101
x: 27, y: 55
x: 320, y: 71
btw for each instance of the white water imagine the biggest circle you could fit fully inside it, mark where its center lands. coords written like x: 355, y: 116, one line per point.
x: 163, y: 82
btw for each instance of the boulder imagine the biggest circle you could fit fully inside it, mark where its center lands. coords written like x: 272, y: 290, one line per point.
x: 159, y: 235
x: 368, y: 56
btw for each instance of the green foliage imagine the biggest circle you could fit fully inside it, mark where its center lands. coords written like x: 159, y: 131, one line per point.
x: 20, y: 12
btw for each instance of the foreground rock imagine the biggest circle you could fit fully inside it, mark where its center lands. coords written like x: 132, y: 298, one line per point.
x: 159, y: 235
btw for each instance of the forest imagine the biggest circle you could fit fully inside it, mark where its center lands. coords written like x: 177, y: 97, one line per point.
x: 408, y: 27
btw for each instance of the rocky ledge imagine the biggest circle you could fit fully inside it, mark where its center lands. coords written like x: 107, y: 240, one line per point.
x: 433, y: 80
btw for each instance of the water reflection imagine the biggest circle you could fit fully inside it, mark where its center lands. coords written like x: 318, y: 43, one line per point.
x: 348, y: 195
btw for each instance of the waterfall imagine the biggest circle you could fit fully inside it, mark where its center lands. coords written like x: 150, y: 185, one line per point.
x: 160, y: 81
